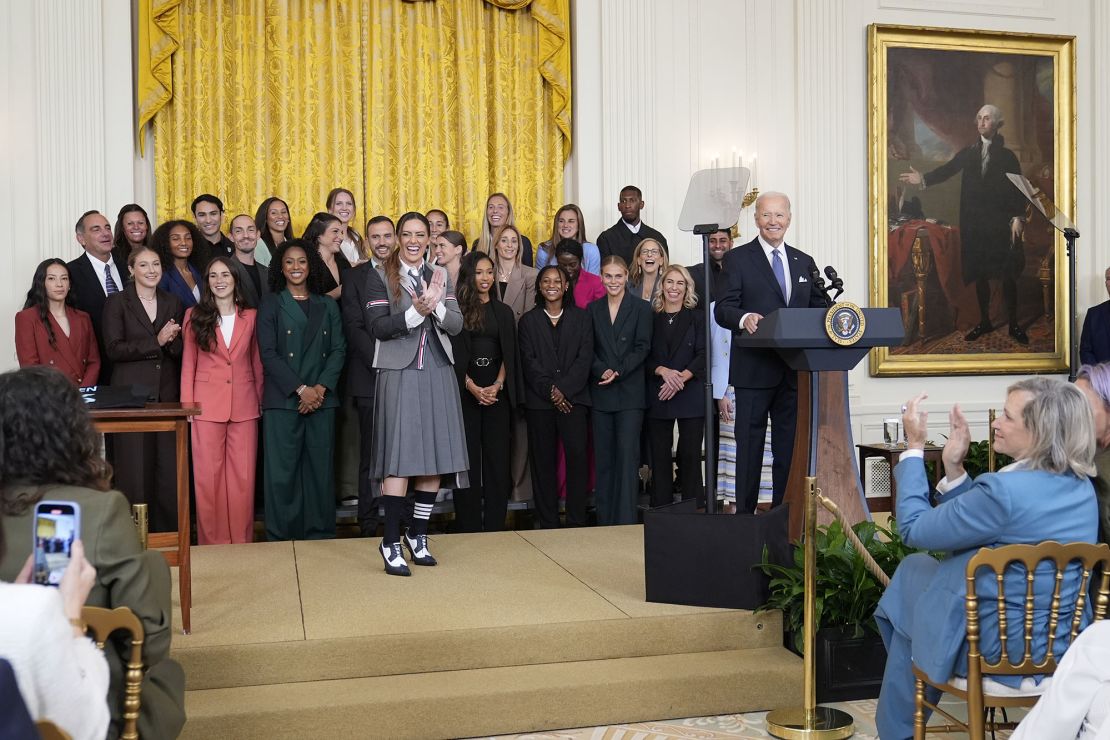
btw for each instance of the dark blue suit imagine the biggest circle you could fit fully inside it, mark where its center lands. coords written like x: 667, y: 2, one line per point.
x: 172, y: 282
x: 922, y: 612
x: 1094, y: 340
x: 763, y: 382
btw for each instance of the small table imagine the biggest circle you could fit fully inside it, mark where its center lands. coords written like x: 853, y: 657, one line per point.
x: 890, y: 454
x: 163, y: 417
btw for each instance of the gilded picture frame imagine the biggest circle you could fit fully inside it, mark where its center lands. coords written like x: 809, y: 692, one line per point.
x: 980, y: 276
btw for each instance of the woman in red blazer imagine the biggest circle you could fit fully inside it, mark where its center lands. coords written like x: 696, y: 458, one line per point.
x: 222, y: 371
x: 50, y: 331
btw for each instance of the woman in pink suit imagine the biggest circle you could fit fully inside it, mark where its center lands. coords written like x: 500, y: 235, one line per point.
x: 222, y: 371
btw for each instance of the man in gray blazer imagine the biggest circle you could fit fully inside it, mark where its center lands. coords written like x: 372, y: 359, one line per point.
x: 254, y: 279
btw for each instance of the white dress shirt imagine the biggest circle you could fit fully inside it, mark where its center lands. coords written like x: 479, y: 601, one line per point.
x: 98, y: 268
x: 227, y: 328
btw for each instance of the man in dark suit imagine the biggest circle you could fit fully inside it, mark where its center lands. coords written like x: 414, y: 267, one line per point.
x: 94, y: 276
x: 254, y: 278
x: 361, y: 380
x: 208, y: 211
x: 622, y: 237
x: 1094, y: 340
x: 992, y: 218
x: 720, y: 242
x: 761, y: 277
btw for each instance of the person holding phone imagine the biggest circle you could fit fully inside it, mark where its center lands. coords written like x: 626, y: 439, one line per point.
x: 51, y: 452
x: 418, y: 423
x: 142, y: 337
x: 61, y: 674
x: 622, y: 340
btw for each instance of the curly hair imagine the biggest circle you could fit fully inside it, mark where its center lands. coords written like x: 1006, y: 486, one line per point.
x: 541, y: 299
x: 316, y: 266
x: 160, y: 243
x: 46, y: 438
x: 205, y: 316
x: 466, y: 292
x: 36, y: 296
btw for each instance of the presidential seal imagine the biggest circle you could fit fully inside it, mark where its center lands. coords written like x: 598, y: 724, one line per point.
x: 845, y: 323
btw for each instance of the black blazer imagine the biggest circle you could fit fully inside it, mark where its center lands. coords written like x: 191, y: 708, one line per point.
x: 461, y: 345
x: 88, y: 295
x: 622, y: 345
x: 617, y: 239
x: 681, y: 348
x: 131, y: 341
x: 1094, y: 340
x: 542, y: 366
x: 716, y: 282
x: 354, y: 303
x: 750, y: 286
x: 250, y: 295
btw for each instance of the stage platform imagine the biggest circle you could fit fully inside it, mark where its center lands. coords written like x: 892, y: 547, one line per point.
x: 513, y: 631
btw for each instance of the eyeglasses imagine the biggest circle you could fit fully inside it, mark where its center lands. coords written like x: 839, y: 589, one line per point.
x: 650, y: 252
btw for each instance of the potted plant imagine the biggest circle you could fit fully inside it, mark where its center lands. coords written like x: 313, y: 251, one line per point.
x: 850, y: 653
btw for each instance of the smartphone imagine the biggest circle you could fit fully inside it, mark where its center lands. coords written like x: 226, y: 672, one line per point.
x: 57, y: 525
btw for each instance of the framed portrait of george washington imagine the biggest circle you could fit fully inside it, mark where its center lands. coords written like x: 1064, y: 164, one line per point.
x: 979, y: 274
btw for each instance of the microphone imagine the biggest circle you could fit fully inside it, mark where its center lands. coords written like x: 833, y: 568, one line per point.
x: 835, y: 281
x: 819, y: 281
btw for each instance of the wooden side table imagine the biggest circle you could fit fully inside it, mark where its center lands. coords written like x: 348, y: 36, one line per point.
x: 890, y: 454
x: 163, y: 417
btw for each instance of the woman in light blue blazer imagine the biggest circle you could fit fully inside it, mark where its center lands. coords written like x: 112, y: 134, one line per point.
x: 1045, y: 494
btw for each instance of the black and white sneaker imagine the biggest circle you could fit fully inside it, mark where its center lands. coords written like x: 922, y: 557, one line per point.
x: 418, y: 548
x: 394, y: 559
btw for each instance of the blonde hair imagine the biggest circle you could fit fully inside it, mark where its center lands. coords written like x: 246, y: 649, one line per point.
x: 493, y: 255
x: 486, y: 241
x: 689, y: 300
x: 636, y: 273
x: 1061, y: 425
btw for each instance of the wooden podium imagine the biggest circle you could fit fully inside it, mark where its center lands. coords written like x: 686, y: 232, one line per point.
x: 823, y: 445
x: 163, y: 417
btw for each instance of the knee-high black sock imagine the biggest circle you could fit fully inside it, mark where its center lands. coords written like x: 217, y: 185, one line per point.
x: 422, y: 511
x: 394, y: 508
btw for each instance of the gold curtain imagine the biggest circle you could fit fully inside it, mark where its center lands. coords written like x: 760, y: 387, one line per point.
x: 411, y: 105
x: 158, y: 32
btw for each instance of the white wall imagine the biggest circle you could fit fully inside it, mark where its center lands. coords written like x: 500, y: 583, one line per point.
x: 66, y: 133
x: 681, y: 79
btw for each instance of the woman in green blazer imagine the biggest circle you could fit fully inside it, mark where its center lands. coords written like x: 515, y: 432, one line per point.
x: 300, y: 338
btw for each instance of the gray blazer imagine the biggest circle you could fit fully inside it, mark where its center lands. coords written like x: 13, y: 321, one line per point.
x: 247, y: 285
x: 396, y: 345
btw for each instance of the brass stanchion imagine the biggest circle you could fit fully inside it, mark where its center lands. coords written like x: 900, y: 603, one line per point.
x: 139, y: 517
x: 810, y: 721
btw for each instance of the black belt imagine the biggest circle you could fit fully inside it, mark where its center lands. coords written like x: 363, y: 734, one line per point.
x: 484, y: 361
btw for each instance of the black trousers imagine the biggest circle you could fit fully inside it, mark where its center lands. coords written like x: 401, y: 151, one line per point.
x: 146, y: 472
x: 547, y: 427
x: 367, y: 506
x: 690, y: 434
x: 483, y: 507
x: 752, y: 408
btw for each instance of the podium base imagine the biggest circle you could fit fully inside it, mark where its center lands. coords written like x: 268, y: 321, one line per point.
x: 825, y: 723
x: 700, y: 559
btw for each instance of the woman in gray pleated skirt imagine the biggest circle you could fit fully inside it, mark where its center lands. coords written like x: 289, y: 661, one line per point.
x: 418, y: 430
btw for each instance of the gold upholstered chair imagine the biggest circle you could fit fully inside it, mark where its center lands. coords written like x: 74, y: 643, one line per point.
x: 102, y: 623
x: 978, y: 689
x: 50, y: 731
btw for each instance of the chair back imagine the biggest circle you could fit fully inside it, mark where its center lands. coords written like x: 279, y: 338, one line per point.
x: 102, y: 623
x: 49, y: 731
x: 1089, y: 560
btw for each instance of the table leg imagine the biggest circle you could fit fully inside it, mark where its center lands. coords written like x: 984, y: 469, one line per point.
x: 184, y: 573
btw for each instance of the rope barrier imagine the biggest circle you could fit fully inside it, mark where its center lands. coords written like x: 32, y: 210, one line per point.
x: 869, y: 561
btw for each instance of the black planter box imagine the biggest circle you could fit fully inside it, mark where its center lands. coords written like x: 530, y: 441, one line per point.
x: 848, y: 668
x: 702, y: 559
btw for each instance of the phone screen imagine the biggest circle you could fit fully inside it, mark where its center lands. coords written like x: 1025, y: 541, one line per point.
x: 57, y: 525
